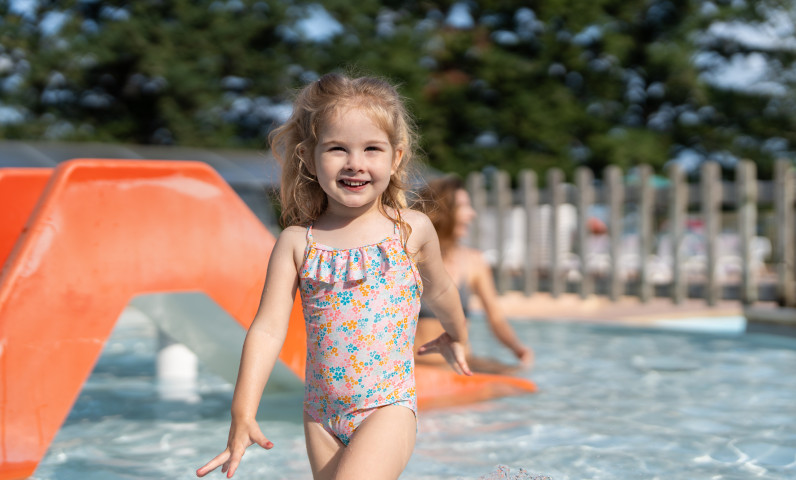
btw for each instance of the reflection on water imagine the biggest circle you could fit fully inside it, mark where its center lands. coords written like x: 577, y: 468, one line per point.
x: 613, y: 403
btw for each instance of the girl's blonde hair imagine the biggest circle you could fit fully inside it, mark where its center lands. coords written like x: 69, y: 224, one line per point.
x: 293, y: 143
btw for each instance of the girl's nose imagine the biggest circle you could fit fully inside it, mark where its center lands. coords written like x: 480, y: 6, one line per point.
x: 354, y: 161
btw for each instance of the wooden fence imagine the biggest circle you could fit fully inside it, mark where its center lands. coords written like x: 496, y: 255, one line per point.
x: 640, y: 234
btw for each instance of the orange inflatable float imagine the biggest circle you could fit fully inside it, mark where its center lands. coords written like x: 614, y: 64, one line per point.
x: 79, y: 242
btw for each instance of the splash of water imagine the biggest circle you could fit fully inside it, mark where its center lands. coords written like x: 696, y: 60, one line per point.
x: 504, y: 472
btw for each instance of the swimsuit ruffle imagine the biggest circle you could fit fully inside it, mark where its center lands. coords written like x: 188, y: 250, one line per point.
x: 328, y: 265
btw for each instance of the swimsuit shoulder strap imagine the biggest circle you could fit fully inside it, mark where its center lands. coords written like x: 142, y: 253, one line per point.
x: 309, y: 242
x: 397, y: 226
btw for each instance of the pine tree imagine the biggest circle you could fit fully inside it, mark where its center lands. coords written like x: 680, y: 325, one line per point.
x: 504, y: 83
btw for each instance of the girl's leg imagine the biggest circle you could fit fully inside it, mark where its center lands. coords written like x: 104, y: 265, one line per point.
x: 381, y: 446
x: 323, y: 449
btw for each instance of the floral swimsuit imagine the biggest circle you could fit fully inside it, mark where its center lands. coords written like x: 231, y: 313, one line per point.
x: 360, y: 311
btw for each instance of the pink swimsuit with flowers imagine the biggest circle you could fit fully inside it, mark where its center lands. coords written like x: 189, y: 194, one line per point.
x: 360, y: 311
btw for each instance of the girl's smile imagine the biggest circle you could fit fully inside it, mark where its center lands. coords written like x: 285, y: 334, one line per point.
x: 353, y: 185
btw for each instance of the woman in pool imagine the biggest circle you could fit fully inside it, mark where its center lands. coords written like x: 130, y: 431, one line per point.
x: 447, y: 204
x: 360, y: 260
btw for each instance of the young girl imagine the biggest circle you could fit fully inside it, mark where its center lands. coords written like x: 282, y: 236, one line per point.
x: 447, y: 204
x: 360, y: 260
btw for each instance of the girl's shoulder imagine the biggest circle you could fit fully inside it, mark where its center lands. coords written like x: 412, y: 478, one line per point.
x: 417, y: 220
x: 294, y: 231
x: 422, y: 230
x: 293, y: 241
x: 413, y: 216
x: 294, y: 237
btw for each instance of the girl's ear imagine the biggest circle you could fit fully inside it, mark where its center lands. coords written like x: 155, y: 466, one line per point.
x: 399, y: 155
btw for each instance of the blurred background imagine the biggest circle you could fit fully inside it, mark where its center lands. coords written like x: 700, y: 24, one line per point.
x: 506, y: 84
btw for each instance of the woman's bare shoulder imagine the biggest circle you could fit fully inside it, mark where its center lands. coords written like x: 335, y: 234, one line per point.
x: 472, y: 255
x: 474, y: 262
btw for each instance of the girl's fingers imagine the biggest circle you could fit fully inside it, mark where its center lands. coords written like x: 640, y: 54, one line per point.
x: 230, y: 458
x: 213, y: 464
x: 453, y: 352
x: 234, y: 461
x: 464, y: 367
x: 430, y: 347
x: 262, y: 441
x: 458, y: 360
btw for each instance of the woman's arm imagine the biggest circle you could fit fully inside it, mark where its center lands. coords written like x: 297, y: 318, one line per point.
x: 483, y: 285
x: 439, y: 293
x: 261, y: 348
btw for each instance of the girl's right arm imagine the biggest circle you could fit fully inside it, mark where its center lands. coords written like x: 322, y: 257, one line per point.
x: 260, y: 351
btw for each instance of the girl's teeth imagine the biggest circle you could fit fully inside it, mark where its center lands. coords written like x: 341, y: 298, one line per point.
x: 353, y: 184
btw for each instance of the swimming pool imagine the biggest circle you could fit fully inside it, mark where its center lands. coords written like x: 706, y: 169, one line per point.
x: 614, y: 403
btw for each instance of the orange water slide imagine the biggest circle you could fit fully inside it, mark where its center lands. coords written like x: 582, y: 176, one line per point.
x: 101, y: 232
x: 20, y: 189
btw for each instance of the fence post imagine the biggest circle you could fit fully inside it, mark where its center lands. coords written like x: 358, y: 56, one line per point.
x: 501, y: 195
x: 783, y: 198
x: 678, y: 202
x: 585, y: 189
x: 746, y: 186
x: 645, y: 230
x: 554, y: 179
x: 711, y: 204
x: 530, y: 202
x: 475, y: 186
x: 616, y: 192
x: 792, y: 256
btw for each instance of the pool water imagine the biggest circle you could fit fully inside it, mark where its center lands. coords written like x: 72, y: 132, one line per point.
x: 614, y: 403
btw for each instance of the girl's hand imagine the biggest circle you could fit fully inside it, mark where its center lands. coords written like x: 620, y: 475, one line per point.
x: 451, y: 350
x: 240, y: 438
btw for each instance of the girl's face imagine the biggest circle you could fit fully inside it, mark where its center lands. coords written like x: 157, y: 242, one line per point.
x: 354, y: 161
x: 463, y: 213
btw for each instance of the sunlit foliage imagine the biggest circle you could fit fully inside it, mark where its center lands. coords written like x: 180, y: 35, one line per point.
x: 506, y: 83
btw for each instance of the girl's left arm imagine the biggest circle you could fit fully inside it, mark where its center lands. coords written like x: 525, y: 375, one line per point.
x: 483, y: 286
x: 439, y: 293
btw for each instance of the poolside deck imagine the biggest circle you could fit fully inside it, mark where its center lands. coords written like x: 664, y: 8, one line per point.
x: 693, y: 314
x: 627, y: 310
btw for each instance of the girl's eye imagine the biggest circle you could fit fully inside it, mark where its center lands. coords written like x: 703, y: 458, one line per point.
x: 339, y: 149
x: 373, y: 149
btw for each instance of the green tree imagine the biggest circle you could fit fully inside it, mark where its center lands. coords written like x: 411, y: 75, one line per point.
x: 194, y: 73
x: 505, y: 83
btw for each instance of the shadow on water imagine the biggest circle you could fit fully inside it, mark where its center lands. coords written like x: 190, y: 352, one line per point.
x: 127, y: 393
